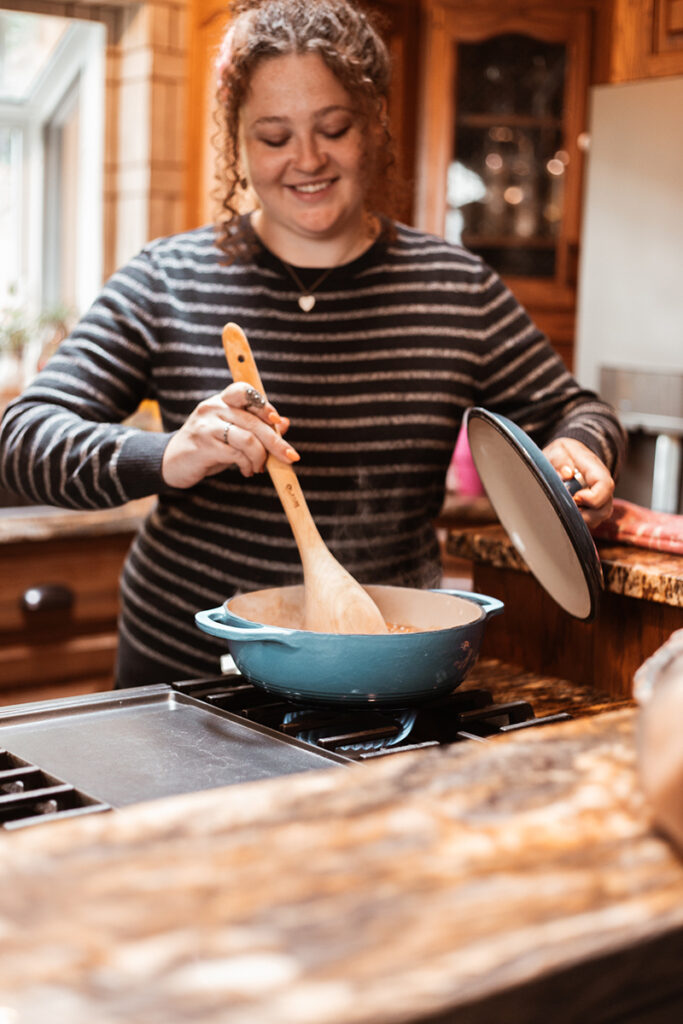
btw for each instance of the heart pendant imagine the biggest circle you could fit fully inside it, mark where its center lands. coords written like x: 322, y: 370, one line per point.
x: 306, y: 302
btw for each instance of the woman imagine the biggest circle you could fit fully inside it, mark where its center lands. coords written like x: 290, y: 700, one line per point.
x: 371, y: 337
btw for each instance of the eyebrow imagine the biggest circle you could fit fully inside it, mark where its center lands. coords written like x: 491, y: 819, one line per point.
x: 275, y: 119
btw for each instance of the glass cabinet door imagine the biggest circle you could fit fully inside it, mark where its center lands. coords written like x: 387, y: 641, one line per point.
x: 505, y: 178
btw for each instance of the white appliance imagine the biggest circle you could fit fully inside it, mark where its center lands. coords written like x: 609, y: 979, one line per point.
x: 629, y: 344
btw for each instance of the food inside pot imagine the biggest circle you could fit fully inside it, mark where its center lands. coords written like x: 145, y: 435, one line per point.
x: 404, y: 610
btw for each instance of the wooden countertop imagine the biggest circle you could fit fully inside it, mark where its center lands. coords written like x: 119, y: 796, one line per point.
x: 518, y: 880
x: 634, y: 572
x: 43, y: 522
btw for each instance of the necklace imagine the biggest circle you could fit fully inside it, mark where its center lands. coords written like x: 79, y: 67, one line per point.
x: 307, y: 299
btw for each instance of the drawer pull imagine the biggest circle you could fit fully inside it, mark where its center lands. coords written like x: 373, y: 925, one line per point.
x: 49, y: 597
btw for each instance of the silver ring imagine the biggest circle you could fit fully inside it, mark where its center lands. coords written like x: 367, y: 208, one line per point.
x: 226, y: 431
x: 254, y: 398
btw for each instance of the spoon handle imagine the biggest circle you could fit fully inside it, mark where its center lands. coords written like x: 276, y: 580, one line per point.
x: 243, y: 368
x: 334, y: 601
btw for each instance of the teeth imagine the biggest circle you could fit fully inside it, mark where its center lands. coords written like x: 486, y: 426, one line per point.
x: 312, y: 188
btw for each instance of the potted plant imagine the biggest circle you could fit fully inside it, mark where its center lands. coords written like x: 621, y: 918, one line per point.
x: 26, y: 343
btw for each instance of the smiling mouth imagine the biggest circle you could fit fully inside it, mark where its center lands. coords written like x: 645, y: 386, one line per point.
x: 311, y: 188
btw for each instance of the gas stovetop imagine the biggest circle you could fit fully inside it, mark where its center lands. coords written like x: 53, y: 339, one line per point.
x: 365, y: 733
x: 80, y: 755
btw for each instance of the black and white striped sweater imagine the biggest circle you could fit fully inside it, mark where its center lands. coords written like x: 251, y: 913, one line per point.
x: 375, y: 380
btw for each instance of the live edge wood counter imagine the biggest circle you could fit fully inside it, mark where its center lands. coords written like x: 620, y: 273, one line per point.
x: 641, y: 605
x: 515, y: 882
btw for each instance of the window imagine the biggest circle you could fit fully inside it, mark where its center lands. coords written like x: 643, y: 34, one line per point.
x: 11, y: 226
x: 52, y: 81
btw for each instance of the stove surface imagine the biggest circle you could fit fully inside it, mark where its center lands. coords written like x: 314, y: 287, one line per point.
x: 365, y: 733
x: 80, y: 755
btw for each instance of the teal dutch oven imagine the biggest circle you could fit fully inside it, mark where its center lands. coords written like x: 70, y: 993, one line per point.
x: 263, y: 629
x: 398, y: 669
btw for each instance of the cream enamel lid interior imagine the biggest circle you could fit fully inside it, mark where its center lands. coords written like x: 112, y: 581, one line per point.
x: 537, y: 513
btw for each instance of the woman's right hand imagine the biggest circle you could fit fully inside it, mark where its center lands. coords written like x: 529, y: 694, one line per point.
x: 233, y: 428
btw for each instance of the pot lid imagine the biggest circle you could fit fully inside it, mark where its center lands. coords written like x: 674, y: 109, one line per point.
x: 537, y: 511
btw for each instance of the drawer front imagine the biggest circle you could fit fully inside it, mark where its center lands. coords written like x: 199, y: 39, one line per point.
x: 58, y: 588
x: 36, y: 671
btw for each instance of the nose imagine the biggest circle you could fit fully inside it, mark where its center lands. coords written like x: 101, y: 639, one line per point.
x: 309, y: 157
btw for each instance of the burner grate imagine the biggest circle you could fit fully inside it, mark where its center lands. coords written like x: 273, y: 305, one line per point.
x: 365, y: 733
x: 29, y: 796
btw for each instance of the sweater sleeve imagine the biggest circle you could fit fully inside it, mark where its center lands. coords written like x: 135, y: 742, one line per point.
x: 63, y: 441
x: 523, y: 378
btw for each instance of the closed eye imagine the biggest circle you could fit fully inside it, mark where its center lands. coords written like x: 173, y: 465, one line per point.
x: 337, y: 134
x: 276, y: 143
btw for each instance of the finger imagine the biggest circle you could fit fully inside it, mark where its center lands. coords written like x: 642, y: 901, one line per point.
x: 255, y: 440
x: 594, y: 516
x: 598, y: 484
x: 265, y: 439
x: 595, y: 499
x: 235, y: 450
x: 243, y: 396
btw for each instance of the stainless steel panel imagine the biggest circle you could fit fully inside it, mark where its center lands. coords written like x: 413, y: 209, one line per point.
x: 645, y: 401
x: 127, y: 746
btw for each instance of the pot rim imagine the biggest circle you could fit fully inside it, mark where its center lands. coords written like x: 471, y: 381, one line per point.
x: 486, y: 608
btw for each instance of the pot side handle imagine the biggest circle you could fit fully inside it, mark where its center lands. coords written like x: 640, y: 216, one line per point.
x: 490, y: 605
x: 211, y: 621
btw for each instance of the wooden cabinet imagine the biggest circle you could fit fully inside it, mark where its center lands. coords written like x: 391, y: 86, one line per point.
x: 504, y: 105
x: 636, y: 611
x: 536, y: 634
x: 59, y: 599
x: 58, y: 610
x: 209, y: 20
x: 400, y: 21
x: 638, y: 39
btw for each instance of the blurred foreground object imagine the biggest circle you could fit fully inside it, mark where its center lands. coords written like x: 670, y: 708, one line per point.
x: 642, y: 527
x: 658, y: 688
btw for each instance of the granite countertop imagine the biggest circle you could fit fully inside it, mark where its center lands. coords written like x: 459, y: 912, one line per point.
x: 634, y: 572
x: 518, y: 880
x: 43, y: 522
x: 547, y: 694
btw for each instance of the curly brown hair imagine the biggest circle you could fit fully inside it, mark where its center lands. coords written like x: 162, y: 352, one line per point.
x: 349, y: 42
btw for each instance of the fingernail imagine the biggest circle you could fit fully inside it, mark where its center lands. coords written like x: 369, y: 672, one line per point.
x: 292, y: 455
x: 274, y: 417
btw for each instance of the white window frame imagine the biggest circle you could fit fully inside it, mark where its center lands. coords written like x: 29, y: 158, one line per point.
x: 79, y: 56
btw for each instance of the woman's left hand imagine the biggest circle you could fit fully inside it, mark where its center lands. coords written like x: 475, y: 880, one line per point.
x: 595, y: 499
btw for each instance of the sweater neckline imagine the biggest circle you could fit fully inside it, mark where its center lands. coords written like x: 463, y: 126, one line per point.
x: 266, y: 258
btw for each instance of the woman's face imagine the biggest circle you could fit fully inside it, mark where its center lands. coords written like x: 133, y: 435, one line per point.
x: 302, y: 148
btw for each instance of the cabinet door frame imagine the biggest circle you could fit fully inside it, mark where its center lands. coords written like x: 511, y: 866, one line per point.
x: 209, y: 20
x: 446, y: 25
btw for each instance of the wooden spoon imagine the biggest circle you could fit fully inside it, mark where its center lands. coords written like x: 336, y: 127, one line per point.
x: 334, y: 601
